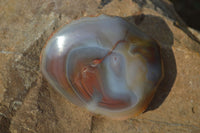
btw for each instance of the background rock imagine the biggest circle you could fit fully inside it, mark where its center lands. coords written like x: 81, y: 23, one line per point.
x: 189, y: 10
x: 28, y: 104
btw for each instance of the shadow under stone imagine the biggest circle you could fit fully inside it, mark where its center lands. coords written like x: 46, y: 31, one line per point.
x: 157, y: 28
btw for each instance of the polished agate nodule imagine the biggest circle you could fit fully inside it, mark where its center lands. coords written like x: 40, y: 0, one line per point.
x: 104, y: 64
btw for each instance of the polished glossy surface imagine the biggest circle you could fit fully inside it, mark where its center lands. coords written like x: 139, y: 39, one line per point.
x: 104, y: 64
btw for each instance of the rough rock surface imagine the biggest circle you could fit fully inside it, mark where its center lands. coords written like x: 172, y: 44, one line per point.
x: 28, y: 104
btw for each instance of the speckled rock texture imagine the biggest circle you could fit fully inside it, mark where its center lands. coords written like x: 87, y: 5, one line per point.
x: 28, y: 104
